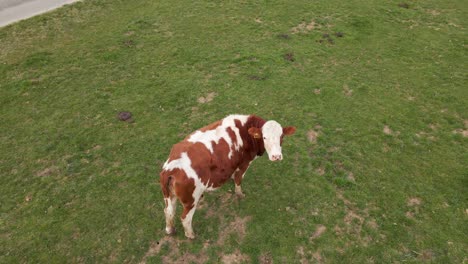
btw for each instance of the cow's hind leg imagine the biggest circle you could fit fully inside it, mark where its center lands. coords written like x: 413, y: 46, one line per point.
x: 189, y: 209
x: 169, y: 211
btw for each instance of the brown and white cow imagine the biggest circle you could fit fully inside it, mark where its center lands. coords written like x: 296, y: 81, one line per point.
x: 212, y: 155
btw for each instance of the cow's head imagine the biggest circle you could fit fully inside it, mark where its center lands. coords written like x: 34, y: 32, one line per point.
x: 272, y: 134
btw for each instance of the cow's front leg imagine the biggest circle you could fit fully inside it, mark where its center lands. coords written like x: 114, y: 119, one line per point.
x: 238, y: 176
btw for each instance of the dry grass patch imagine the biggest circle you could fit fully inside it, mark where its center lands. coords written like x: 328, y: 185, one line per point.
x: 206, y: 99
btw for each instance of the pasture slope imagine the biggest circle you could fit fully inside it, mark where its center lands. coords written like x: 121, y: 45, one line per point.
x: 376, y: 173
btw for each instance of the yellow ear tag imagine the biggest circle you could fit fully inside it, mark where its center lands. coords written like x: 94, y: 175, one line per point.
x: 256, y: 135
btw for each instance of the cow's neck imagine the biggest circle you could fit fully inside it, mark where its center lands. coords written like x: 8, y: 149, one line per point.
x: 256, y: 145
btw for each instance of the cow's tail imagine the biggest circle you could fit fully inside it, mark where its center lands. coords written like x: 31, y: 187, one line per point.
x: 166, y: 180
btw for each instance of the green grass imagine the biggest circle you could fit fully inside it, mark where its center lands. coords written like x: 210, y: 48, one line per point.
x: 78, y: 185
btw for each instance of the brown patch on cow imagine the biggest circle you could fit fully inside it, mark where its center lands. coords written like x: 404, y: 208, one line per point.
x: 208, y: 98
x: 318, y: 232
x: 346, y: 91
x: 235, y: 257
x: 47, y: 171
x: 414, y: 201
x: 312, y: 136
x: 289, y: 56
x: 306, y: 27
x: 317, y: 91
x: 265, y: 259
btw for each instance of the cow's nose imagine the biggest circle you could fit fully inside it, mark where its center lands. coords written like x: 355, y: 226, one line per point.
x: 276, y: 157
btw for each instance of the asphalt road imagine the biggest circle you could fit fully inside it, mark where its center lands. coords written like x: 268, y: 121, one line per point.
x: 15, y: 10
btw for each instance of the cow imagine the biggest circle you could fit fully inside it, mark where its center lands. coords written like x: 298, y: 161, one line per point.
x: 212, y: 155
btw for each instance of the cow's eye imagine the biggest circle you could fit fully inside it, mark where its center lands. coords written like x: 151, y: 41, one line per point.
x: 264, y: 137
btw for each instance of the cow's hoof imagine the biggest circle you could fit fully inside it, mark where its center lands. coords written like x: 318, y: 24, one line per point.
x: 170, y: 231
x: 190, y: 236
x: 240, y: 195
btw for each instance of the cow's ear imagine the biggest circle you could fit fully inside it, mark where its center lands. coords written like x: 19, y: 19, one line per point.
x: 289, y: 130
x: 255, y: 132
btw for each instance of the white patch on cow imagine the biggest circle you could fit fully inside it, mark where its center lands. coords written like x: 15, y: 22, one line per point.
x: 272, y: 132
x: 221, y: 132
x: 184, y: 163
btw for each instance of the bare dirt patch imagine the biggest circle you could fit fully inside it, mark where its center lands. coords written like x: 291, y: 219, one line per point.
x: 409, y: 215
x: 174, y: 253
x: 414, y: 201
x: 354, y: 221
x: 426, y: 255
x: 317, y: 256
x: 346, y: 91
x: 28, y: 198
x: 155, y: 247
x: 312, y: 136
x: 305, y: 27
x: 463, y: 132
x: 388, y: 131
x: 235, y: 257
x: 237, y: 226
x: 433, y: 12
x: 320, y: 171
x: 47, y: 171
x: 318, y: 232
x: 289, y: 57
x: 208, y: 98
x: 265, y: 259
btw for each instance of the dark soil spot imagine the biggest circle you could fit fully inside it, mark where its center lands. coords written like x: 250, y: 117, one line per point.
x: 129, y: 43
x: 339, y: 34
x: 125, y: 116
x: 283, y: 36
x: 326, y: 38
x: 256, y: 78
x: 289, y: 57
x: 403, y: 5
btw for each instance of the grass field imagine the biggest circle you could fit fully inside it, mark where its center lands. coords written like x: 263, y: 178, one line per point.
x: 377, y: 171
